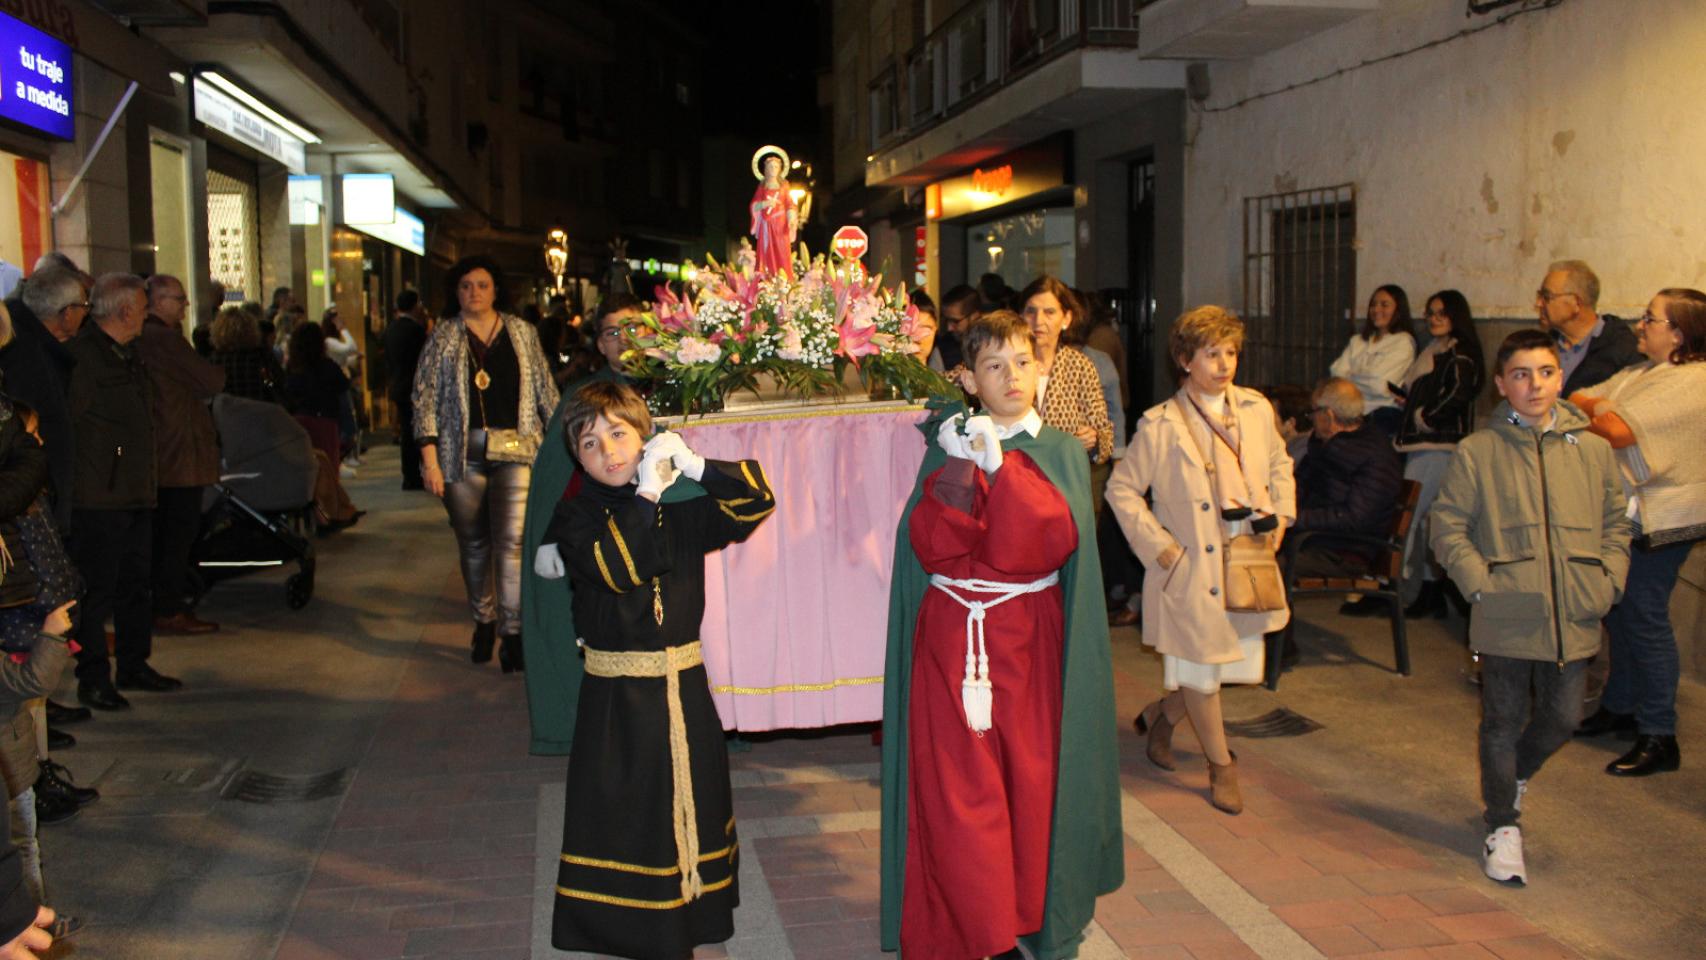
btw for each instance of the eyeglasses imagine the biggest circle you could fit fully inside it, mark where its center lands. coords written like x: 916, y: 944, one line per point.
x: 1647, y: 318
x: 1547, y: 296
x: 614, y: 333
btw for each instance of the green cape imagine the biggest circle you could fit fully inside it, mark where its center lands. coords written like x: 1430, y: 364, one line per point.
x: 547, y: 615
x: 1086, y: 851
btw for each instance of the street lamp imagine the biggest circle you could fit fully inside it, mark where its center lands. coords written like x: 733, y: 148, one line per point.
x: 801, y: 183
x: 557, y: 255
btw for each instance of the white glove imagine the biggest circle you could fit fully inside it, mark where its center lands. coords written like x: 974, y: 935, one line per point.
x: 548, y: 562
x: 949, y: 439
x: 983, y: 444
x: 655, y: 475
x: 671, y: 445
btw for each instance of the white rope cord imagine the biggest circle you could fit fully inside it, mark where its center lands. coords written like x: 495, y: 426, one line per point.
x: 977, y: 694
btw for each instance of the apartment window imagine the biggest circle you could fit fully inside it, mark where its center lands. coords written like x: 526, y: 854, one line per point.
x: 1299, y: 283
x: 885, y: 107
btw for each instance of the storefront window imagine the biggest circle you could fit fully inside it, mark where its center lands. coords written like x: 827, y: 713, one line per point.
x: 234, y: 247
x: 169, y: 175
x: 25, y: 226
x: 1023, y: 247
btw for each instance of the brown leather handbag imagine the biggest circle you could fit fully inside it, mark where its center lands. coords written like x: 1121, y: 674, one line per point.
x: 1254, y: 583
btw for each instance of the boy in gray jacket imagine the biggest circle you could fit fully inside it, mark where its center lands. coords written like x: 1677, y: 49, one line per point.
x: 1531, y: 524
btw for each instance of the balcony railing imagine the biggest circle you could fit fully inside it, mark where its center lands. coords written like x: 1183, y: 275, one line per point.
x: 987, y: 44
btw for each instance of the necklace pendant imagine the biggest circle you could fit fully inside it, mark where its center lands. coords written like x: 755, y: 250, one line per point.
x: 657, y: 602
x: 482, y: 379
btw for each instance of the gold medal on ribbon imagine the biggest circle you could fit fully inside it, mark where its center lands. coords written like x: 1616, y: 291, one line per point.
x: 482, y: 379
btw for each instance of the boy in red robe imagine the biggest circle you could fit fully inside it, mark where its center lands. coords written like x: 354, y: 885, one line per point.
x: 985, y: 686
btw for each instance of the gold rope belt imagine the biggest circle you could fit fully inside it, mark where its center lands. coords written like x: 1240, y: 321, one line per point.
x: 668, y: 664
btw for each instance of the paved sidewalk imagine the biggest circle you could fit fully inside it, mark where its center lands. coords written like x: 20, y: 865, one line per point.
x: 441, y: 845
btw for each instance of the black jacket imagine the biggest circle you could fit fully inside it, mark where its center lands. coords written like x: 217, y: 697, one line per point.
x: 317, y: 391
x: 1349, y: 484
x: 1445, y: 398
x: 37, y: 371
x: 115, y: 425
x: 405, y: 338
x: 1608, y: 353
x: 23, y: 465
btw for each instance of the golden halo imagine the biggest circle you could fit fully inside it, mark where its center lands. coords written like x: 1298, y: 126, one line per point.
x: 768, y: 148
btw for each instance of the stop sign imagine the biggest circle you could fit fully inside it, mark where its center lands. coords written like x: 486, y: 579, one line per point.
x: 850, y: 242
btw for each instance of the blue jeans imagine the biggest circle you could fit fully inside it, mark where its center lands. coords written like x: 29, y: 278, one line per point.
x: 1644, y: 662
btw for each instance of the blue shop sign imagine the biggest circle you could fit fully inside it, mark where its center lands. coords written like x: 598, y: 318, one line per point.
x: 35, y: 80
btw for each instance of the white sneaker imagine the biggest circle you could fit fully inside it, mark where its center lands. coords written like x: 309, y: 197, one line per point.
x: 1501, y: 856
x: 1521, y: 788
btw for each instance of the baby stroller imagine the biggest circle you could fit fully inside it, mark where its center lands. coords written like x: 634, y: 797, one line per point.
x: 258, y: 514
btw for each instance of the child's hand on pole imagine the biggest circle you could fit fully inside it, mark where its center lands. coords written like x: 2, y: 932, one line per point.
x: 949, y: 438
x: 671, y: 445
x: 983, y: 443
x: 656, y: 473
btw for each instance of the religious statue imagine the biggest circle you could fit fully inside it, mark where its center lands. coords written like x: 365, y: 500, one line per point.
x: 775, y: 221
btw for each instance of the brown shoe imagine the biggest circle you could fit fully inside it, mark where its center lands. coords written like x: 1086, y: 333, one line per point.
x: 1153, y: 721
x: 1223, y: 789
x: 1123, y: 617
x: 183, y: 622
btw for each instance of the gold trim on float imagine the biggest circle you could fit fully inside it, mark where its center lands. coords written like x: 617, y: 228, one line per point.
x: 640, y: 904
x: 726, y: 852
x: 797, y: 687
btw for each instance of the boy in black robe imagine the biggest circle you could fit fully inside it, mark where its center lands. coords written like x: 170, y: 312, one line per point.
x: 650, y: 854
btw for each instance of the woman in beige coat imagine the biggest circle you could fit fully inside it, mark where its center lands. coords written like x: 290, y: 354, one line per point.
x: 1216, y: 468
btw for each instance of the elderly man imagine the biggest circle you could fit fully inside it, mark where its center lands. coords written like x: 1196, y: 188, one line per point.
x: 47, y: 312
x: 186, y: 448
x: 1350, y: 480
x: 1590, y: 347
x: 113, y: 496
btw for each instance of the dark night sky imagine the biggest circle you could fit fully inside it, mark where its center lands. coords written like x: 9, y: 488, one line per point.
x: 768, y: 48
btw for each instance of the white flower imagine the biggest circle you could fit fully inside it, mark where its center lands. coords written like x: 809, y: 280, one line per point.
x: 694, y: 350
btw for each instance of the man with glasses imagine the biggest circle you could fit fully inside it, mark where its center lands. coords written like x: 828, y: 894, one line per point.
x: 47, y: 311
x: 1591, y: 346
x: 186, y: 448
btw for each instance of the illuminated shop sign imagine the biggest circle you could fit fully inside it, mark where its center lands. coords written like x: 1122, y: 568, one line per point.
x: 369, y: 198
x: 1014, y: 176
x: 35, y: 79
x: 220, y: 109
x: 405, y: 230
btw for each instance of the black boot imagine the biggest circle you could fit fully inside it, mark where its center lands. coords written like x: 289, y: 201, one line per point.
x: 485, y: 637
x: 1651, y: 754
x: 1604, y: 721
x: 1430, y: 602
x: 510, y: 656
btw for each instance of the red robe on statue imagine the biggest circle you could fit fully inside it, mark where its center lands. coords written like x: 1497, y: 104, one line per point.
x: 771, y: 207
x: 980, y: 805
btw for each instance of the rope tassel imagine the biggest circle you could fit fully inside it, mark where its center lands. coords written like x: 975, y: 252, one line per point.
x: 977, y: 693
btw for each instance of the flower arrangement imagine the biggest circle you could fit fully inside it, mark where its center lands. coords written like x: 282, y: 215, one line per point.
x: 730, y: 329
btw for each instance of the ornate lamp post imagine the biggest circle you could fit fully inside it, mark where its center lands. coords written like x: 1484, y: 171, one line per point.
x: 557, y: 255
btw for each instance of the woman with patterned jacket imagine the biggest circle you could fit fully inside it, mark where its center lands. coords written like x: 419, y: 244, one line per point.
x: 483, y: 393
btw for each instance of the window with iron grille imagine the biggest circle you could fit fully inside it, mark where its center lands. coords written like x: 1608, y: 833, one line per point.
x: 885, y: 107
x: 1299, y: 283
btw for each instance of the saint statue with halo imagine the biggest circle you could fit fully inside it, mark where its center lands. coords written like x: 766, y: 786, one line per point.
x: 775, y: 221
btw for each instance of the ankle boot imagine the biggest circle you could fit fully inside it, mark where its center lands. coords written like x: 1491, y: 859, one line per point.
x: 1223, y: 789
x: 1651, y: 754
x: 485, y: 636
x: 1430, y: 602
x: 509, y: 654
x: 1153, y: 721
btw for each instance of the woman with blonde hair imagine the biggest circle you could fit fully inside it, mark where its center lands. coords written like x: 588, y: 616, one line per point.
x: 252, y: 370
x: 1215, y: 467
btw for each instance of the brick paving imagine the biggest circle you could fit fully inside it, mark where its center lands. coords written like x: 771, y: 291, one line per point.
x: 434, y: 851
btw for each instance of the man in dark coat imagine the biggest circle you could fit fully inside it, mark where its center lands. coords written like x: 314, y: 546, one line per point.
x: 1591, y: 346
x: 405, y: 338
x: 186, y: 448
x: 114, y: 494
x: 47, y: 312
x: 1348, y: 483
